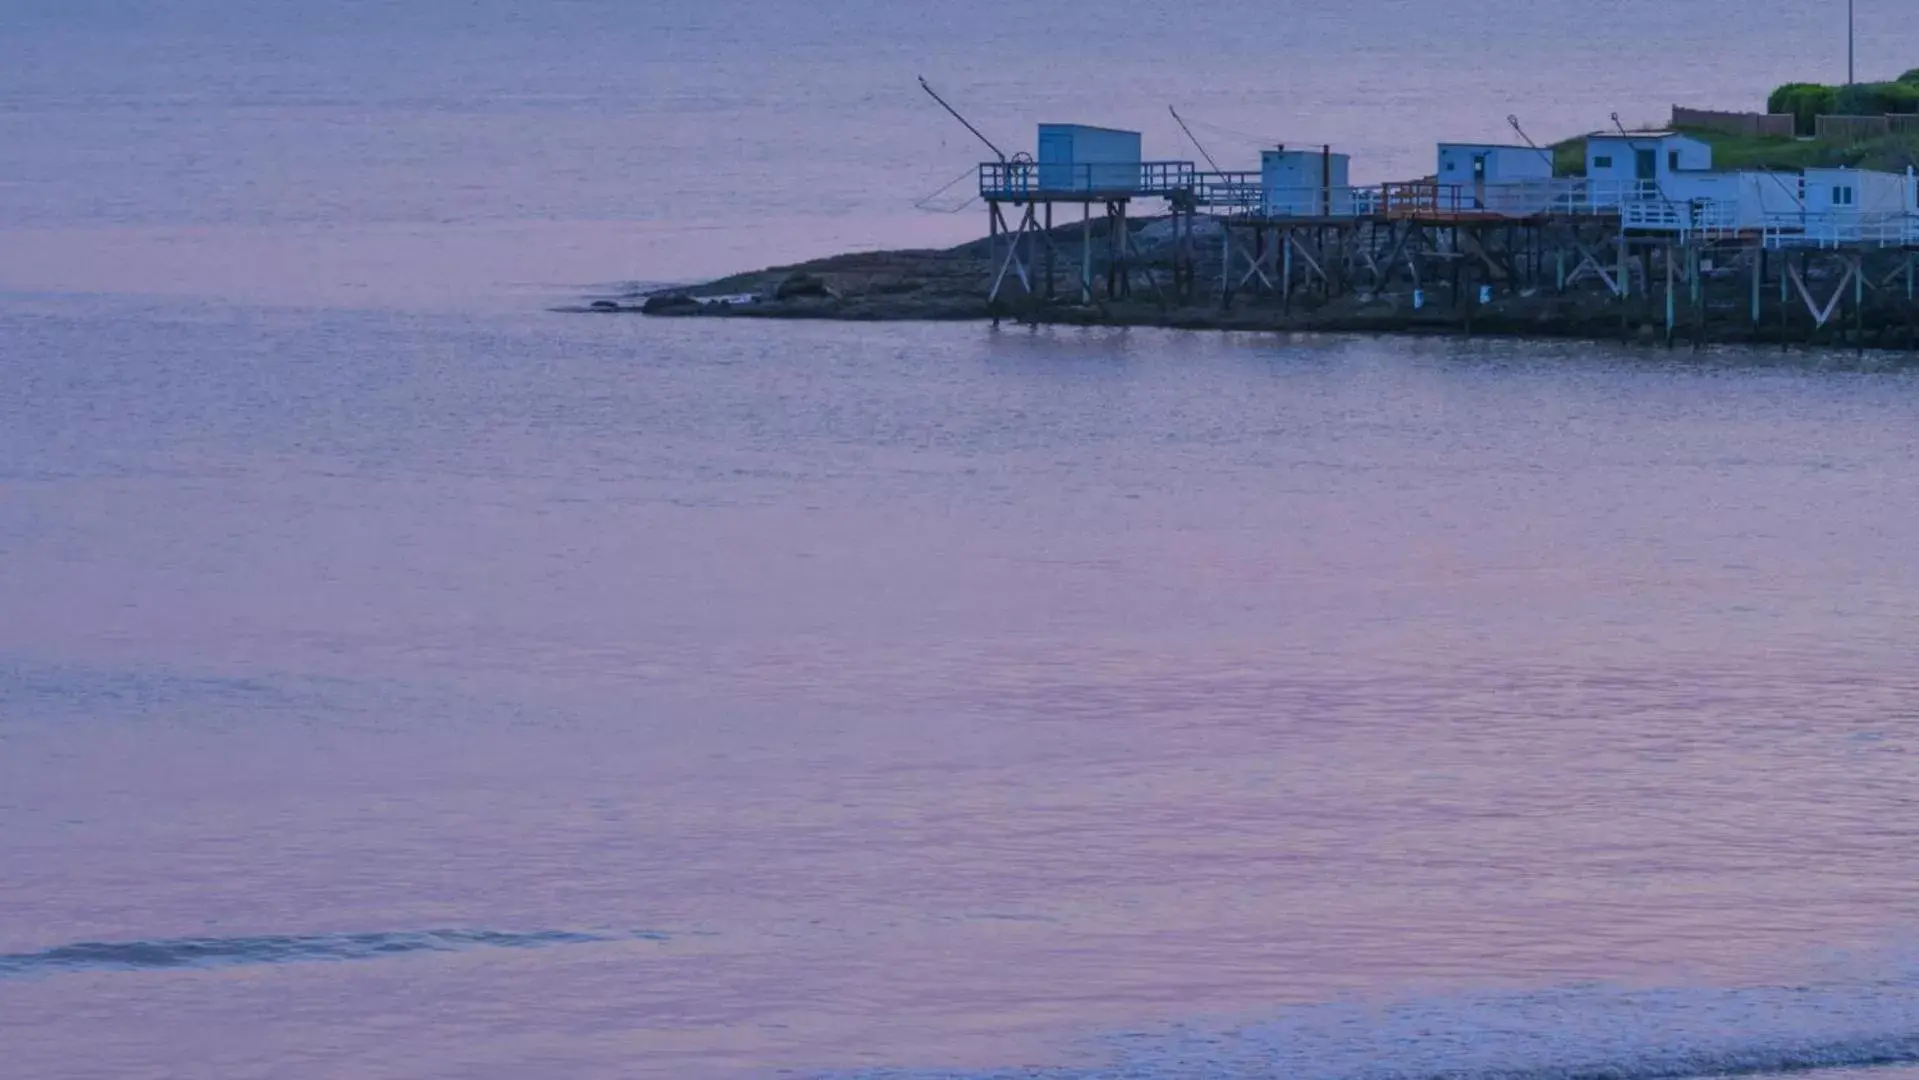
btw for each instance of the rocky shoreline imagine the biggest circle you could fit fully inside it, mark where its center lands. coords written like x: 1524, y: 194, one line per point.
x: 951, y: 285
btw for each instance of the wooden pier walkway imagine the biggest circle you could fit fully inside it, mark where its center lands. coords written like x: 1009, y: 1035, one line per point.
x: 1677, y: 266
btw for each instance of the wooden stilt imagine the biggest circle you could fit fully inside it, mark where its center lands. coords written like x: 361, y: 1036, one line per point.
x: 1286, y: 272
x: 1086, y: 253
x: 1669, y: 295
x: 1226, y: 268
x: 1698, y: 299
x: 1049, y: 251
x: 1785, y: 309
x: 1912, y: 310
x: 1859, y: 303
x: 1625, y: 290
x: 1470, y: 295
x: 992, y: 254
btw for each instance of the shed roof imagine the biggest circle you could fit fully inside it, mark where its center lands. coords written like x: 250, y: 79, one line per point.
x: 1640, y: 136
x: 1090, y: 127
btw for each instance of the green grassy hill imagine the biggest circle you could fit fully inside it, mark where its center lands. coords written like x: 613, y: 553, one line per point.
x: 1807, y: 102
x: 1891, y: 154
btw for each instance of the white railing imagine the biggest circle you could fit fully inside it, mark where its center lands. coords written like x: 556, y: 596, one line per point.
x: 1558, y: 197
x: 1245, y: 193
x: 1807, y: 230
x: 1019, y: 180
x: 1692, y: 217
x: 1231, y: 192
x: 1639, y: 205
x: 1316, y: 201
x: 1561, y: 196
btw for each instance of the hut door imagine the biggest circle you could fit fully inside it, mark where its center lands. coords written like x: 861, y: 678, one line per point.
x: 1056, y: 172
x: 1479, y: 181
x: 1645, y: 167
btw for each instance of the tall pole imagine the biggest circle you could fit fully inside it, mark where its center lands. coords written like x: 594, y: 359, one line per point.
x: 969, y: 124
x: 1849, y: 43
x: 1190, y: 137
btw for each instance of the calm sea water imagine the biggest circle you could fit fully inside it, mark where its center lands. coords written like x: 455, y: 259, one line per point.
x: 398, y: 680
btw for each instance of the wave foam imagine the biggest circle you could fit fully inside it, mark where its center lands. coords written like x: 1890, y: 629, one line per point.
x: 279, y: 949
x: 1575, y: 1033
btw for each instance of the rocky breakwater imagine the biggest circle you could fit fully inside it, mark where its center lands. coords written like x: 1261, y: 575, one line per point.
x: 892, y: 285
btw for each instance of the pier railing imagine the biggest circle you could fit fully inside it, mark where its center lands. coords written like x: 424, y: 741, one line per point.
x: 1423, y: 200
x: 1829, y: 232
x: 1340, y: 201
x: 1638, y: 206
x: 1706, y: 218
x: 1019, y: 181
x: 1227, y: 192
x: 1559, y: 197
x: 1245, y: 194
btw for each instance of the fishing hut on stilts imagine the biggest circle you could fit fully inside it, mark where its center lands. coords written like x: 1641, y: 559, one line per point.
x: 1648, y: 238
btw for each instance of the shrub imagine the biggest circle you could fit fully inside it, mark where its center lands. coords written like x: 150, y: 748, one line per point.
x: 1859, y: 99
x: 1805, y: 101
x: 1782, y: 99
x: 1899, y: 97
x: 1877, y: 99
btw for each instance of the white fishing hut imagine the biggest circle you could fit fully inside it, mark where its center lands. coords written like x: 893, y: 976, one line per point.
x: 1479, y: 164
x: 1515, y: 180
x: 1080, y: 157
x: 1305, y: 183
x: 1703, y: 201
x: 1771, y: 197
x: 1817, y: 201
x: 1645, y: 158
x: 1841, y: 193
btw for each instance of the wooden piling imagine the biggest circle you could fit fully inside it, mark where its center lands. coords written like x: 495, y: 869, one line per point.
x: 1086, y: 253
x: 1049, y: 251
x: 1859, y: 305
x: 1286, y: 272
x: 1670, y: 313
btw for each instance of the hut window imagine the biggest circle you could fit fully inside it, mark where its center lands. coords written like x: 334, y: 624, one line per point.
x: 1603, y: 161
x: 1672, y: 160
x: 1842, y: 196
